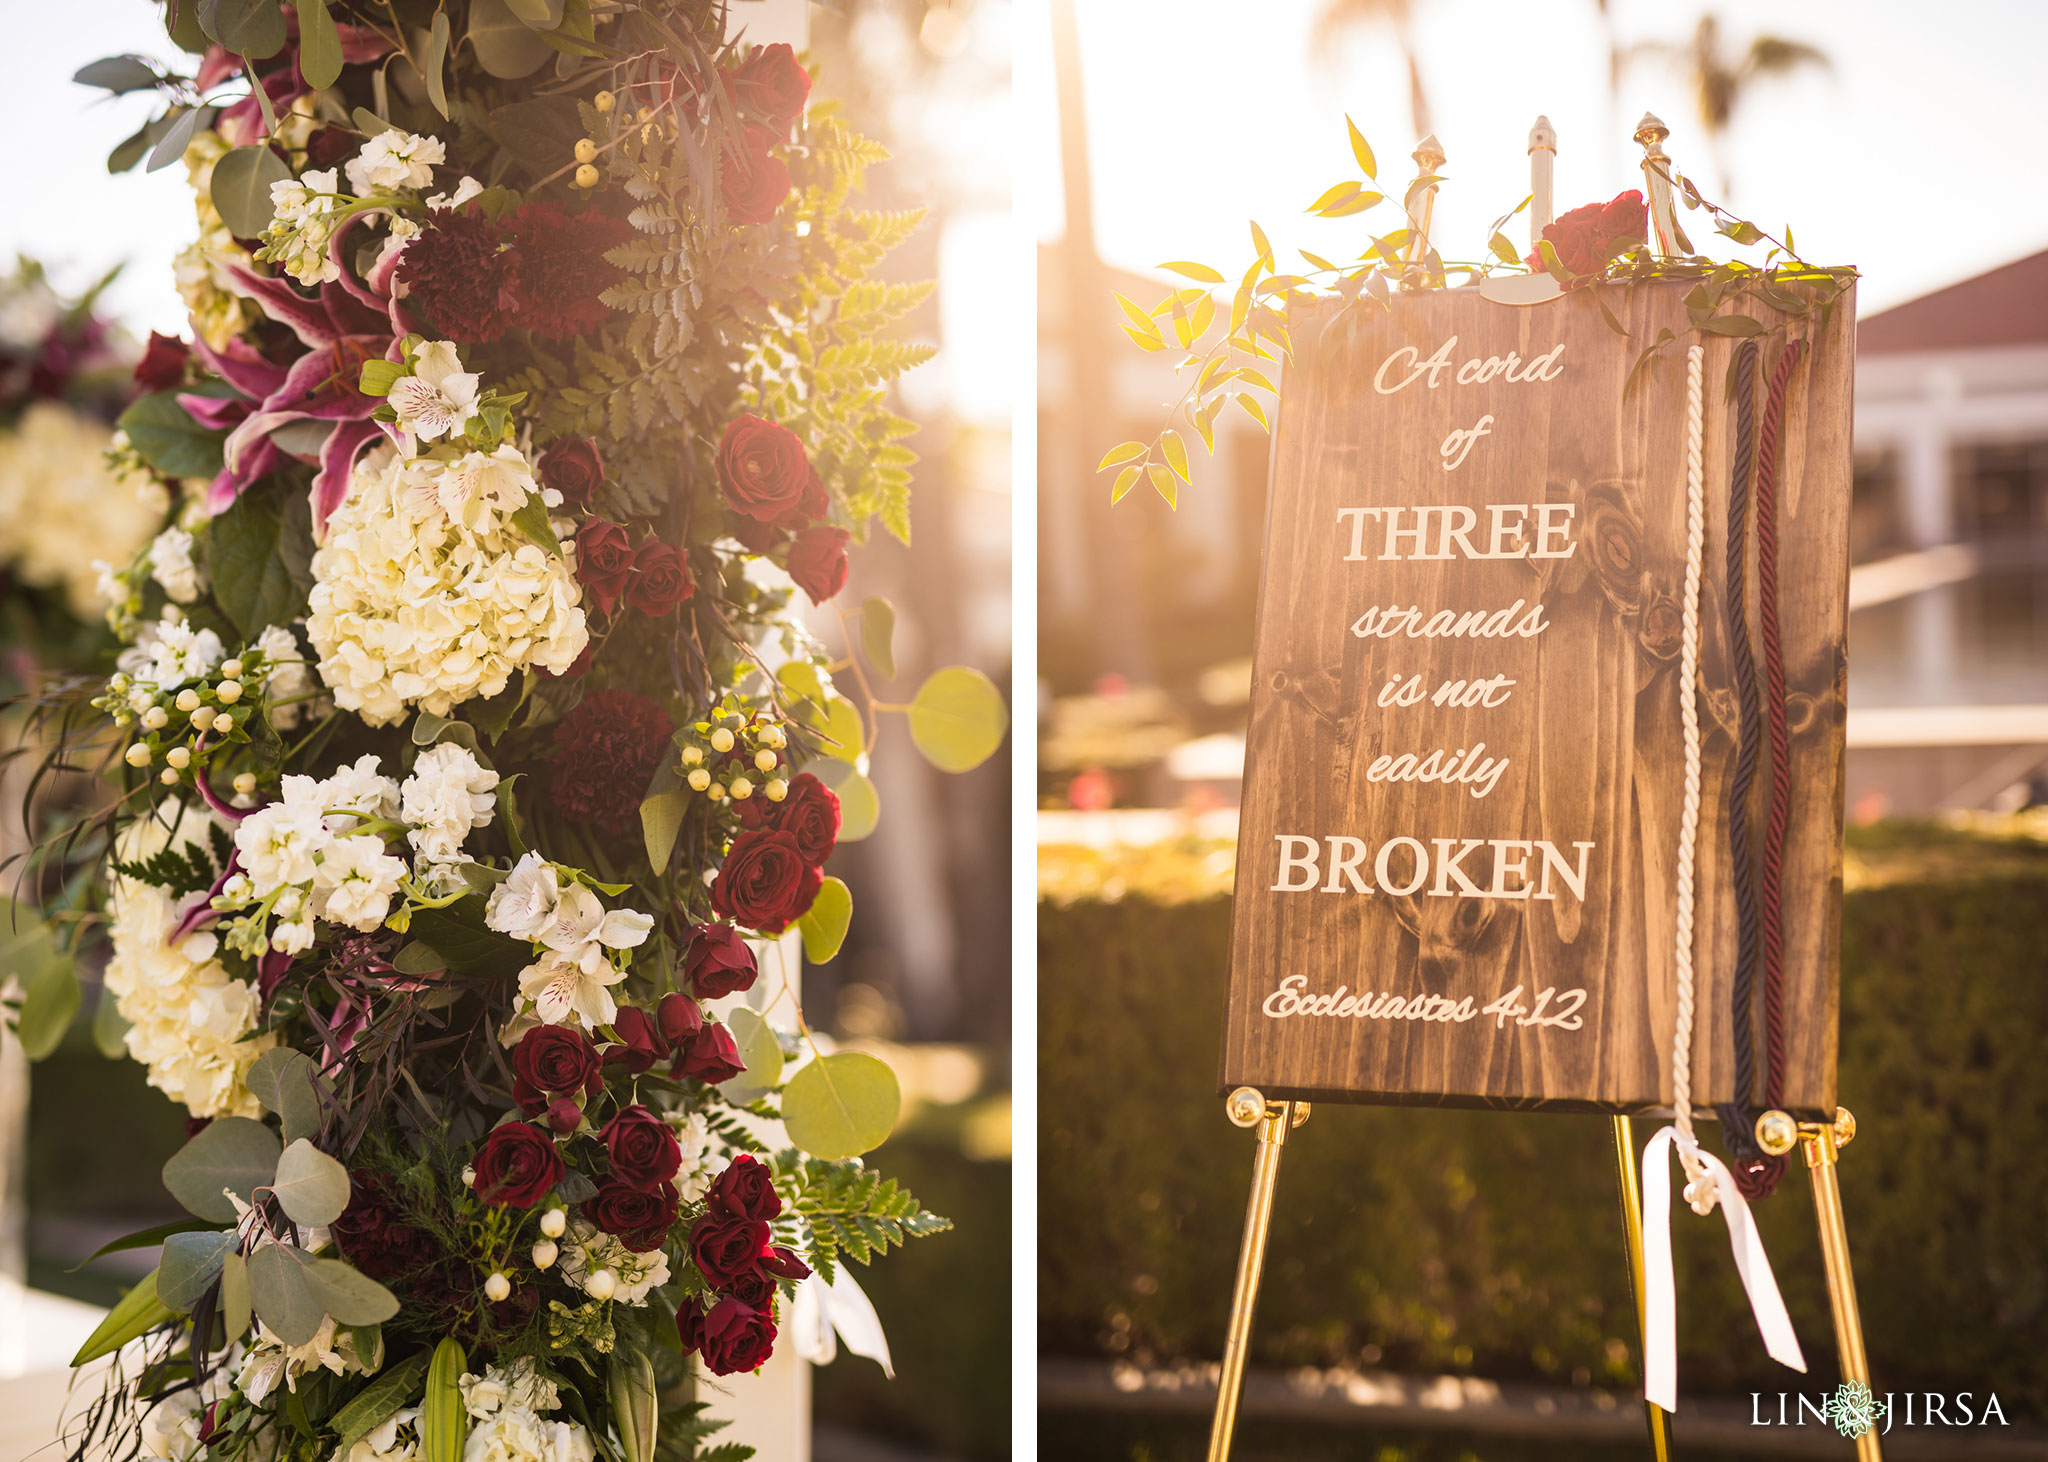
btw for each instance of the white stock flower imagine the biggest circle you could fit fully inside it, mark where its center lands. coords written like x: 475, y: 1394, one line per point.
x: 559, y: 990
x: 395, y: 1439
x: 465, y: 190
x: 446, y: 796
x: 355, y: 882
x: 514, y: 1434
x: 478, y: 491
x: 302, y: 222
x: 439, y: 398
x: 583, y: 929
x: 519, y: 1384
x: 393, y: 160
x: 359, y: 789
x: 281, y: 844
x: 416, y: 609
x: 523, y: 906
x: 587, y: 1249
x: 170, y: 564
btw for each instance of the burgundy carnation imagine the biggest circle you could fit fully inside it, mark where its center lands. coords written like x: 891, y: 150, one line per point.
x: 562, y: 268
x: 810, y: 814
x: 517, y: 1166
x: 817, y: 561
x: 553, y: 1060
x: 162, y: 365
x: 710, y: 1057
x: 766, y: 884
x: 643, y: 1151
x: 604, y: 561
x: 605, y: 752
x: 661, y: 579
x: 678, y: 1017
x: 762, y: 468
x: 640, y: 1044
x: 454, y: 274
x: 772, y: 83
x: 754, y: 180
x: 573, y: 468
x: 1586, y: 238
x: 373, y: 1235
x: 719, y: 962
x: 640, y: 1219
x: 733, y: 1336
x: 726, y: 1249
x: 744, y: 1190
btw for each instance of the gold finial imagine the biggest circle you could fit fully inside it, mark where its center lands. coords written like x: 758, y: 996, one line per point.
x: 1245, y: 1106
x: 1429, y: 154
x: 1300, y: 1114
x: 1420, y: 203
x: 1542, y: 157
x: 1651, y: 132
x: 1776, y: 1132
x: 1845, y: 1127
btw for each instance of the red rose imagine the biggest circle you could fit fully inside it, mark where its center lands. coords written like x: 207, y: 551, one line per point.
x: 564, y: 1116
x: 810, y: 814
x: 710, y: 1057
x: 553, y: 1060
x: 726, y: 1249
x: 761, y: 538
x: 678, y: 1017
x: 643, y: 1151
x: 766, y: 883
x: 719, y: 962
x: 661, y: 579
x: 517, y: 1166
x: 772, y: 83
x: 758, y: 1287
x: 1586, y: 238
x: 638, y: 1218
x: 744, y: 1190
x: 573, y: 468
x: 734, y: 1336
x: 754, y: 180
x: 815, y: 502
x: 762, y: 468
x: 640, y: 1044
x: 817, y: 561
x: 604, y: 560
x: 162, y: 365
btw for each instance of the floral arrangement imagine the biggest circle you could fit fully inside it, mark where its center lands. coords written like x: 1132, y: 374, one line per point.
x: 474, y: 756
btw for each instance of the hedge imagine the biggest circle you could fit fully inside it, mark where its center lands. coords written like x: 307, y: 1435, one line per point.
x: 1491, y: 1243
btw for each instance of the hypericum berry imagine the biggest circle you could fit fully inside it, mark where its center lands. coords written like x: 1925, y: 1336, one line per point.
x: 179, y: 757
x: 716, y: 792
x: 742, y: 789
x: 601, y: 1285
x: 188, y: 700
x: 777, y: 789
x: 497, y: 1288
x: 169, y: 776
x: 586, y: 176
x: 156, y: 718
x: 469, y: 1177
x: 774, y: 736
x: 245, y: 784
x: 765, y: 760
x: 223, y: 723
x: 545, y: 1253
x: 232, y: 669
x: 202, y: 719
x: 586, y: 150
x: 604, y: 101
x: 554, y: 1222
x: 692, y: 756
x: 699, y: 779
x: 229, y: 692
x: 721, y: 740
x: 137, y: 755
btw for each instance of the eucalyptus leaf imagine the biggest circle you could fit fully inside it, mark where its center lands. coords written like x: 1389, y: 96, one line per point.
x: 165, y: 436
x: 348, y: 1294
x: 254, y: 549
x: 368, y: 122
x: 312, y: 1186
x: 181, y: 24
x: 838, y: 725
x: 282, y: 1295
x: 319, y: 45
x: 191, y: 1262
x: 436, y: 63
x: 148, y: 1238
x: 251, y: 28
x: 842, y: 1105
x: 235, y: 1303
x: 877, y: 635
x: 138, y: 1312
x: 760, y: 1050
x: 958, y: 719
x: 130, y: 152
x: 241, y: 188
x: 231, y: 1154
x: 661, y: 819
x: 118, y: 74
x: 419, y: 958
x: 505, y: 46
x: 538, y: 14
x: 48, y: 1004
x: 824, y: 924
x: 289, y: 1084
x: 176, y: 137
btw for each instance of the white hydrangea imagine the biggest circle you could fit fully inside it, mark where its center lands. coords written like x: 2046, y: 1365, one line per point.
x: 448, y: 794
x: 410, y: 607
x: 171, y: 565
x: 514, y: 1434
x: 62, y: 508
x: 395, y: 160
x: 586, y: 1249
x: 288, y: 677
x: 519, y: 1384
x: 301, y: 224
x: 395, y: 1439
x: 186, y: 1018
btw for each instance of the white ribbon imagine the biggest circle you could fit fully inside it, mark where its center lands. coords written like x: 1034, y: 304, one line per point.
x: 1660, y: 1302
x: 820, y: 1309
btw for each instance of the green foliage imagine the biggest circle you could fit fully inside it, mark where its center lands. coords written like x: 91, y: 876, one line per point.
x: 166, y: 437
x: 138, y: 1313
x: 958, y: 719
x: 260, y: 551
x: 1415, y: 1231
x: 841, y: 1105
x: 853, y: 1212
x: 185, y: 869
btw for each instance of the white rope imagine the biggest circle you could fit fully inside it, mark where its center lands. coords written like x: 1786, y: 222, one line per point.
x: 1700, y: 1191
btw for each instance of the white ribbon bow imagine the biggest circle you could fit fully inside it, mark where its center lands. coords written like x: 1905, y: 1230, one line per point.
x: 1660, y: 1302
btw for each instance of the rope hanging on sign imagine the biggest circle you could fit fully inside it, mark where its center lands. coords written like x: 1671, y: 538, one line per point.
x: 1735, y: 1115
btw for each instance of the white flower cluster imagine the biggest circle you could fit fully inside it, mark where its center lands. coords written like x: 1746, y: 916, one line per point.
x: 187, y: 1020
x: 603, y: 1267
x: 171, y: 565
x: 270, y: 1361
x: 414, y: 605
x: 288, y: 678
x: 395, y: 162
x: 62, y: 507
x: 507, y: 1409
x: 302, y: 859
x: 448, y: 794
x: 574, y: 975
x: 170, y: 1429
x: 201, y: 267
x: 303, y: 215
x: 700, y: 1148
x: 395, y: 1439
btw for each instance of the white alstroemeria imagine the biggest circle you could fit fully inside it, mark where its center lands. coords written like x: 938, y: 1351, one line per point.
x: 393, y: 160
x: 583, y: 929
x: 587, y: 1249
x: 523, y: 906
x: 270, y: 1361
x: 478, y: 491
x: 561, y: 991
x: 465, y: 190
x: 820, y: 1309
x: 170, y: 564
x: 514, y: 1434
x: 518, y: 1384
x: 439, y: 398
x: 355, y: 882
x: 395, y: 1439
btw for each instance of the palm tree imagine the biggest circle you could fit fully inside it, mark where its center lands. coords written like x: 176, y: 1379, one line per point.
x: 1721, y: 78
x: 1338, y: 17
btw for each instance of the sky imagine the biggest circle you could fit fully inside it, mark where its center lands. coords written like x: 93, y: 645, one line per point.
x: 1918, y: 156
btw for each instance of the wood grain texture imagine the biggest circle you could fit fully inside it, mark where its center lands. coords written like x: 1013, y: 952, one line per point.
x: 1591, y: 726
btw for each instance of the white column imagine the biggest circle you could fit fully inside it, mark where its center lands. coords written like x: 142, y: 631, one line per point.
x: 1926, y: 496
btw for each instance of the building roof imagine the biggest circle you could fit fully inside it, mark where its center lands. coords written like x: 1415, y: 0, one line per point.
x: 2004, y: 306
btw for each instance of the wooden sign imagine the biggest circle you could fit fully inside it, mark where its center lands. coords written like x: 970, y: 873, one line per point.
x: 1455, y: 877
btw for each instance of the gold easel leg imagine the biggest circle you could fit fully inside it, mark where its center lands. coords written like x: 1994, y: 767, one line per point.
x: 1654, y: 1416
x: 1272, y: 1119
x: 1823, y: 1144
